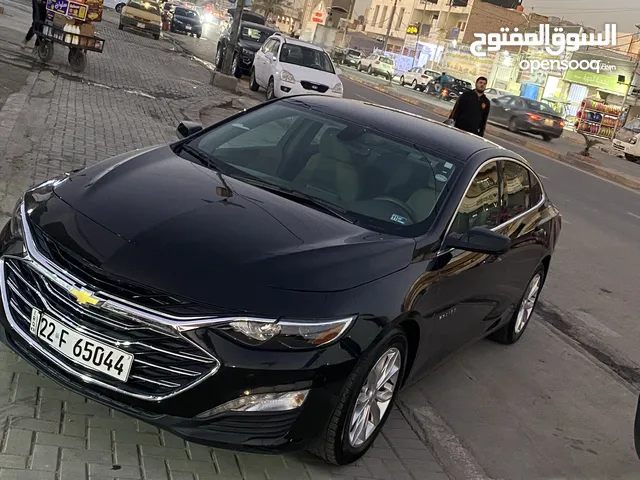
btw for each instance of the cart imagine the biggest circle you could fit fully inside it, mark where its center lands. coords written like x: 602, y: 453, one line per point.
x: 49, y: 34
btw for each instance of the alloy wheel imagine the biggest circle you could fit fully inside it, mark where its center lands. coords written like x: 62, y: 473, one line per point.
x: 234, y: 65
x: 402, y: 81
x: 218, y: 57
x: 375, y: 397
x: 528, y: 303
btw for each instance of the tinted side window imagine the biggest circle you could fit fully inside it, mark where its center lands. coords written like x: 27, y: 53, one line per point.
x: 480, y: 206
x: 516, y: 191
x: 515, y: 103
x: 536, y: 190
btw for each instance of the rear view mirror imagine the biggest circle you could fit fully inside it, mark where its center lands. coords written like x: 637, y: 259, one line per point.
x: 479, y: 240
x: 187, y: 128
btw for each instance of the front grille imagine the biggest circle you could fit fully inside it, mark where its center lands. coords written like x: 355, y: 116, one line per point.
x: 97, y: 278
x: 618, y: 147
x: 163, y: 365
x: 316, y: 87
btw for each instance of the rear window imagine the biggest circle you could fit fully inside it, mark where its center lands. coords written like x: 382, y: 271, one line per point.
x: 386, y: 60
x: 147, y: 6
x: 354, y: 53
x: 183, y: 12
x: 539, y: 107
x: 306, y: 57
x: 255, y: 34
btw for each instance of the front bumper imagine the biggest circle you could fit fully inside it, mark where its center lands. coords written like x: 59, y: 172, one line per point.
x: 628, y: 148
x: 241, y: 371
x: 185, y: 28
x: 380, y: 71
x: 351, y: 61
x: 285, y: 89
x: 532, y: 126
x: 140, y: 26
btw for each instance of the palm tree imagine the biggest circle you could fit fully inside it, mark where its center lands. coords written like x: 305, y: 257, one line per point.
x: 270, y: 8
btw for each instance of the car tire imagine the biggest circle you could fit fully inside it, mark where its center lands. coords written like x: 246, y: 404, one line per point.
x: 253, y: 85
x: 513, y: 125
x: 631, y: 158
x: 402, y: 81
x: 370, y: 70
x: 414, y: 85
x: 422, y: 89
x: 271, y: 90
x: 336, y: 444
x: 198, y: 35
x: 156, y: 36
x: 513, y: 331
x: 358, y: 67
x: 119, y: 7
x: 120, y: 27
x: 219, y: 59
x: 236, y: 70
x: 546, y: 138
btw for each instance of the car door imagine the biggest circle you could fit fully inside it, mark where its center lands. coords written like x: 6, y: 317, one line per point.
x: 514, y: 108
x: 520, y: 219
x: 410, y: 76
x: 260, y: 62
x: 497, y: 113
x: 461, y: 303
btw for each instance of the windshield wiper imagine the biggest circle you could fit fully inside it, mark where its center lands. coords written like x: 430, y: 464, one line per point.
x: 204, y: 158
x: 296, y: 195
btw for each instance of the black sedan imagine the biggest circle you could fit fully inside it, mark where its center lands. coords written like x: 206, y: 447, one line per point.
x: 185, y: 20
x: 269, y: 283
x: 448, y: 88
x: 521, y: 114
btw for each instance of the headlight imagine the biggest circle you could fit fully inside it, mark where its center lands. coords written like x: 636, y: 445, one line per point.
x: 287, y: 77
x: 337, y: 88
x: 15, y: 225
x: 633, y: 140
x: 287, y: 333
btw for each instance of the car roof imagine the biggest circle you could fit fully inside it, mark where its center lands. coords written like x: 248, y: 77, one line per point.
x: 412, y: 128
x: 302, y: 43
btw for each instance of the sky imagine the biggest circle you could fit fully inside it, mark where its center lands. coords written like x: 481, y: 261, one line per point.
x: 593, y: 13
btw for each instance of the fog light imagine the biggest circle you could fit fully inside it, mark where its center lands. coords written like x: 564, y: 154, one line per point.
x: 263, y: 402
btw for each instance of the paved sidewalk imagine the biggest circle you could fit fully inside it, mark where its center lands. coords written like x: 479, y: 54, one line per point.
x: 131, y: 96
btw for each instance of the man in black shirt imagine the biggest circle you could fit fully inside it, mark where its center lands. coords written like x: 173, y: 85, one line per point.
x: 471, y: 111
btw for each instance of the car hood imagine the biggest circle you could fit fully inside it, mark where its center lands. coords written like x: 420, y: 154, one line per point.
x: 157, y: 219
x: 311, y: 75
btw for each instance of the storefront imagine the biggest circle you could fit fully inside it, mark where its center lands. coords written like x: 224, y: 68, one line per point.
x: 461, y: 63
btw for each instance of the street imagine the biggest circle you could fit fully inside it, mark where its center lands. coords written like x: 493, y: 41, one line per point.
x: 558, y: 405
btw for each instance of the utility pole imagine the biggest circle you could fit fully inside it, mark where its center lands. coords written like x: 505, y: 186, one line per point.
x: 235, y: 34
x: 393, y: 14
x: 626, y: 95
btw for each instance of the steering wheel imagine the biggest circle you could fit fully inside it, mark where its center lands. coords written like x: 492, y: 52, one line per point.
x: 399, y: 203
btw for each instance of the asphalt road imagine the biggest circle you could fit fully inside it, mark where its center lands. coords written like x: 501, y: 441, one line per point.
x: 560, y: 403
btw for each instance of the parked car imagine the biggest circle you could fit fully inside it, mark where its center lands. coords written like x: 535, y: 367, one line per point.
x: 287, y: 66
x: 270, y: 282
x: 418, y: 78
x: 185, y: 20
x: 521, y: 114
x: 252, y: 37
x: 376, y: 64
x: 351, y: 57
x: 116, y: 5
x: 492, y: 93
x: 141, y: 16
x: 448, y: 88
x: 627, y: 140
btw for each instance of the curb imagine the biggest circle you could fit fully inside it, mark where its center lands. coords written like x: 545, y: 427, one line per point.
x: 593, y: 166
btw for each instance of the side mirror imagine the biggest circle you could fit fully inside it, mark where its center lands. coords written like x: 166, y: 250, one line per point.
x: 187, y: 128
x: 479, y: 240
x: 338, y: 71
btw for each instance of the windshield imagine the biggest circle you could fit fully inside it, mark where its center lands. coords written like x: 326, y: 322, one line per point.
x: 255, y: 34
x: 633, y: 125
x: 383, y: 183
x: 539, y: 107
x: 306, y: 57
x: 354, y: 53
x: 148, y: 6
x: 183, y: 12
x: 386, y: 60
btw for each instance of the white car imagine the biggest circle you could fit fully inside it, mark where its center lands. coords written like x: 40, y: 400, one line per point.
x: 418, y: 78
x: 115, y: 4
x: 286, y: 66
x: 493, y: 93
x: 376, y: 64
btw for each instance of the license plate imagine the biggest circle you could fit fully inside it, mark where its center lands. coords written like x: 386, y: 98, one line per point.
x: 83, y: 350
x: 141, y: 25
x: 188, y: 27
x: 549, y: 123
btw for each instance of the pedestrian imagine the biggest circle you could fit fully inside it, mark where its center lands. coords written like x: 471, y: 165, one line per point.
x: 38, y: 16
x: 471, y: 111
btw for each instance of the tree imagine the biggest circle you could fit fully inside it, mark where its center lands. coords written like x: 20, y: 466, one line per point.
x: 270, y: 8
x: 588, y: 143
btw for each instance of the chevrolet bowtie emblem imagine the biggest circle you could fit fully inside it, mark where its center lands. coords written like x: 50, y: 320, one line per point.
x: 84, y: 297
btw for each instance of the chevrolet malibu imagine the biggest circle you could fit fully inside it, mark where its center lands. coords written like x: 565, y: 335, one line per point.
x: 269, y: 283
